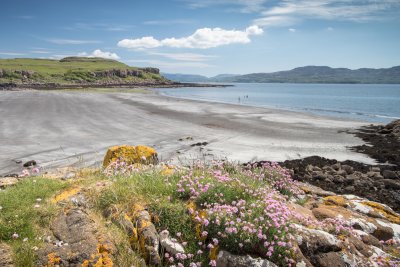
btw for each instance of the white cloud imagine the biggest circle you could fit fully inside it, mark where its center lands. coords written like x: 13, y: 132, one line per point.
x: 40, y: 52
x: 292, y: 30
x: 99, y: 53
x: 144, y: 42
x: 272, y: 21
x: 289, y: 12
x: 171, y: 65
x: 72, y: 42
x: 245, y: 6
x: 11, y: 54
x: 184, y: 56
x: 167, y: 22
x: 202, y: 38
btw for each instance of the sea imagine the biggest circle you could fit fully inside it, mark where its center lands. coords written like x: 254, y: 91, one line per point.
x: 379, y: 103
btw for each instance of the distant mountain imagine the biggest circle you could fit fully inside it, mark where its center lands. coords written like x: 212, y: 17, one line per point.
x: 321, y: 74
x: 178, y: 77
x: 308, y: 74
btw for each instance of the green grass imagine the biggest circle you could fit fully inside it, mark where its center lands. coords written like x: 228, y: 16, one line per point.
x: 20, y: 216
x: 73, y: 70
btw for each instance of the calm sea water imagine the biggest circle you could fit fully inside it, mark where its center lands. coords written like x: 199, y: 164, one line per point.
x: 367, y: 102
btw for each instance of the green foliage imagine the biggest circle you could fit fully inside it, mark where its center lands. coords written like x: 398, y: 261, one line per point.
x: 18, y: 214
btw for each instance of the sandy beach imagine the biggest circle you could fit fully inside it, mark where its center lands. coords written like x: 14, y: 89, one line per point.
x: 63, y: 128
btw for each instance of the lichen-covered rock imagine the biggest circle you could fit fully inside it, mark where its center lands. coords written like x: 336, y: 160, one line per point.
x: 77, y: 242
x: 147, y: 235
x: 130, y: 155
x: 226, y: 259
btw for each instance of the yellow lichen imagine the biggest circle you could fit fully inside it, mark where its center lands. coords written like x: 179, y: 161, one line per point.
x: 53, y: 260
x: 167, y: 170
x: 336, y: 200
x: 133, y: 239
x: 130, y: 155
x: 384, y: 211
x: 65, y: 194
x: 214, y: 253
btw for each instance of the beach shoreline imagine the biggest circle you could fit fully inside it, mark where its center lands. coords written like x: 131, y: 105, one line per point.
x: 74, y: 128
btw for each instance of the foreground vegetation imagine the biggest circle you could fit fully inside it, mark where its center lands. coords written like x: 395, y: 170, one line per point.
x: 246, y: 210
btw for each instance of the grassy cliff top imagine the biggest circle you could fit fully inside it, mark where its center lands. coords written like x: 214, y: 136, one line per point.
x: 72, y: 71
x: 63, y: 65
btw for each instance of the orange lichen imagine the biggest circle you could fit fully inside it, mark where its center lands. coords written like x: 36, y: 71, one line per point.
x: 101, y: 258
x: 65, y: 195
x: 53, y: 260
x: 336, y: 200
x: 384, y: 211
x: 130, y: 155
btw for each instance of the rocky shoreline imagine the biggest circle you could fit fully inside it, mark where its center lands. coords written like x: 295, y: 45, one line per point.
x: 379, y: 183
x: 54, y: 86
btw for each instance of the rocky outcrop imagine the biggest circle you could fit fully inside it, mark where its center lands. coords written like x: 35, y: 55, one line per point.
x: 379, y: 183
x: 76, y: 239
x: 383, y: 142
x: 130, y: 155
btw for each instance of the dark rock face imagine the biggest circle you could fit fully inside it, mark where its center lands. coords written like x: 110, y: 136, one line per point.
x: 124, y: 73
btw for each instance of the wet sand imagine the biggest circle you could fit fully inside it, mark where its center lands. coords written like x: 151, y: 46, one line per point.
x: 62, y: 128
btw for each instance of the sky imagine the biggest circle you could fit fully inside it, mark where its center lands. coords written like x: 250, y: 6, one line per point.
x: 206, y: 37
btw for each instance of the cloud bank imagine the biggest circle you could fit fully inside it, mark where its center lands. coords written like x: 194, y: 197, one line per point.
x: 99, y: 53
x: 202, y: 39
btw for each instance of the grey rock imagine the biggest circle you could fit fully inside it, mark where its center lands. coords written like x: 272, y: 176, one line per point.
x: 226, y: 259
x: 388, y: 174
x: 336, y: 166
x: 75, y: 228
x: 391, y: 184
x: 69, y: 175
x: 348, y: 169
x: 169, y: 245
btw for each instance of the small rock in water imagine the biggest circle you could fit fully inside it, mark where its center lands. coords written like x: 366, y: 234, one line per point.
x: 30, y: 163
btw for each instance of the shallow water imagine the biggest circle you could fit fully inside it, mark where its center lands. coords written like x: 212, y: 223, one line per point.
x: 366, y: 102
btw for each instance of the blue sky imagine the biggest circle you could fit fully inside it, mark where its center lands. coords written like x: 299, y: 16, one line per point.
x: 207, y: 37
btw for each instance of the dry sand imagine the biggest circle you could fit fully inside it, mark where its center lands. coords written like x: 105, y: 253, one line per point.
x: 61, y: 128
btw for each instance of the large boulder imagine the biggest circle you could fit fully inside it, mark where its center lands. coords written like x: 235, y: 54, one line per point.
x: 130, y: 155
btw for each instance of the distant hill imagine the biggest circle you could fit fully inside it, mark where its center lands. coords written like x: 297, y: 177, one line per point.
x: 321, y: 74
x: 178, y: 77
x: 308, y: 74
x: 193, y: 78
x: 74, y: 71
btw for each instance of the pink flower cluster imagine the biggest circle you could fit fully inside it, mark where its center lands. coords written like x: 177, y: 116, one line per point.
x: 252, y: 219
